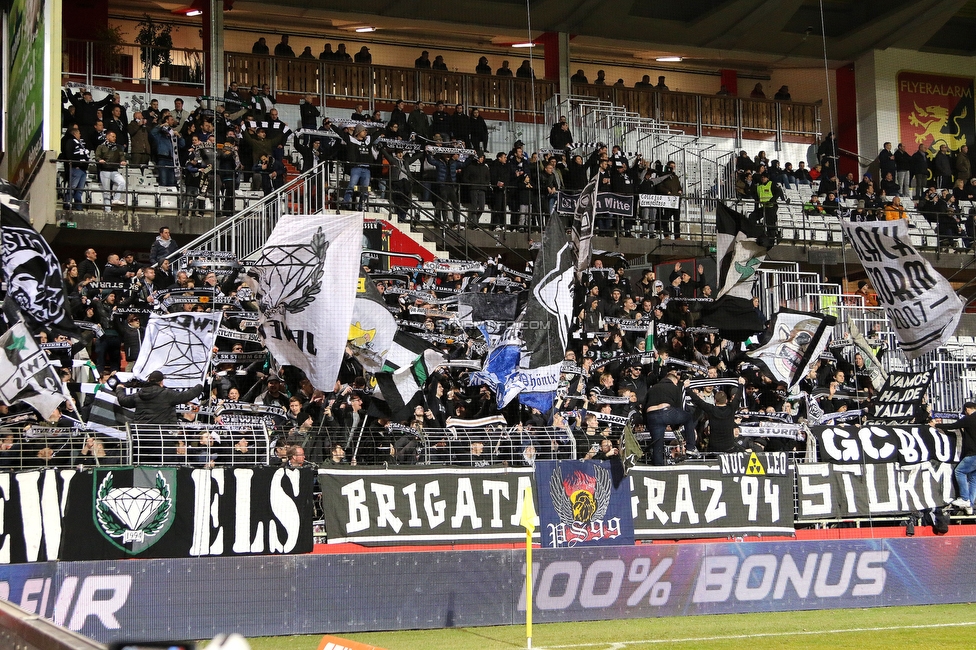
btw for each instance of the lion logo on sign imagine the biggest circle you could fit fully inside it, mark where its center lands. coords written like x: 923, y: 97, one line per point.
x: 933, y: 127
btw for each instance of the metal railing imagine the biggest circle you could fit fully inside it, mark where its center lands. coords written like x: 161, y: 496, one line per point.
x: 245, y: 233
x: 97, y: 63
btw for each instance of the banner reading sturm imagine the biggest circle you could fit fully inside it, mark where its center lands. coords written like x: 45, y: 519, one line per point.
x: 919, y: 301
x: 887, y: 444
x: 831, y: 491
x: 743, y: 494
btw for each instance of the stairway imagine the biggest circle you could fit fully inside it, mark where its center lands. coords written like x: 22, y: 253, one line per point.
x: 703, y: 166
x: 245, y: 233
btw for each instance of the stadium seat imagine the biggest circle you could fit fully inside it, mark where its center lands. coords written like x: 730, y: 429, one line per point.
x: 169, y: 198
x: 146, y: 197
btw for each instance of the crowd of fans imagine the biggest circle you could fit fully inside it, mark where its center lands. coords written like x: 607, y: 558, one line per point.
x: 937, y: 180
x: 524, y: 71
x: 243, y: 141
x: 619, y: 373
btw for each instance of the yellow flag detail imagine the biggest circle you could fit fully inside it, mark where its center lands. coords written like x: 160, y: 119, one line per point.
x: 528, y: 511
x: 754, y: 468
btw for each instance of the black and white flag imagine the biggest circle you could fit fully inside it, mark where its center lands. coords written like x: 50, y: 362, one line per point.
x: 306, y: 278
x: 740, y: 250
x: 919, y: 301
x: 583, y: 224
x: 373, y: 327
x: 26, y: 374
x: 797, y: 338
x: 179, y: 345
x: 30, y: 269
x: 549, y: 311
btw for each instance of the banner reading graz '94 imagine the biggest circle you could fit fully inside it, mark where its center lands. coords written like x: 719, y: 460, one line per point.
x: 743, y: 494
x: 887, y: 444
x: 830, y: 491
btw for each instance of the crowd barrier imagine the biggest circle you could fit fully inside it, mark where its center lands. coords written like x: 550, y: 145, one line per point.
x: 155, y: 600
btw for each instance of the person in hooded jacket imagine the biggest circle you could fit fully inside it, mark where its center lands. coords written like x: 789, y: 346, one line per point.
x: 154, y: 403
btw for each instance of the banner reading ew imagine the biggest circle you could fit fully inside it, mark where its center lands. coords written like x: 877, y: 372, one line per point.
x: 179, y: 345
x: 920, y: 302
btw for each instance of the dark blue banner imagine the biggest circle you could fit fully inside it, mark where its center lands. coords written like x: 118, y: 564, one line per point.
x: 583, y: 503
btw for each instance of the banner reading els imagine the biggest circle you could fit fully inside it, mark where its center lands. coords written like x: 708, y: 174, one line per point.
x: 934, y: 110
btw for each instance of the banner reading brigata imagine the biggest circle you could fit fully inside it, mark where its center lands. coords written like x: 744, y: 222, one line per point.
x: 935, y: 110
x: 831, y: 491
x: 582, y: 503
x: 887, y: 444
x: 418, y: 505
x: 920, y: 302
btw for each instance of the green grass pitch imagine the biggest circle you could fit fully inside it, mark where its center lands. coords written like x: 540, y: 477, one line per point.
x: 940, y: 626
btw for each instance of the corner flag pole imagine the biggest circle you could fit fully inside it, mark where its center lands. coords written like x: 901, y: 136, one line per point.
x: 528, y: 522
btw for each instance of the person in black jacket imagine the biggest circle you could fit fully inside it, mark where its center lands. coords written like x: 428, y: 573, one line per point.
x: 154, y: 404
x: 721, y: 418
x: 920, y: 171
x: 499, y: 178
x: 942, y: 168
x: 476, y: 176
x: 479, y: 131
x: 903, y: 169
x: 663, y: 408
x: 461, y: 126
x: 559, y: 134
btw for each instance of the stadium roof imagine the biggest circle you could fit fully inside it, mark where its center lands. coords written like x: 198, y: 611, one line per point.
x: 759, y: 34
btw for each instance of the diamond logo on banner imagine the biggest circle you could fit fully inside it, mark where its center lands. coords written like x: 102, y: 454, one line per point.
x: 135, y: 517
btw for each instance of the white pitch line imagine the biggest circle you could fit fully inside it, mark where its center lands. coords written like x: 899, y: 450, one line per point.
x: 730, y: 637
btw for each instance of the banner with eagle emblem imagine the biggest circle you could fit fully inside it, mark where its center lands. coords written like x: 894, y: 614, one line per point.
x: 581, y: 504
x: 305, y: 282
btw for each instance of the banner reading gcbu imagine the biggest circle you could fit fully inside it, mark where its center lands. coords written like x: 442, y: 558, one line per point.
x: 583, y: 503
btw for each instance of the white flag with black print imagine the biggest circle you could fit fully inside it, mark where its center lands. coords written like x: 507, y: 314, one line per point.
x: 26, y: 374
x: 919, y: 301
x: 305, y: 282
x: 30, y: 269
x: 180, y: 346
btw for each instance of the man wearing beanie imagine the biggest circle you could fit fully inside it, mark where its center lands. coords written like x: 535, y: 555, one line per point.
x: 154, y: 404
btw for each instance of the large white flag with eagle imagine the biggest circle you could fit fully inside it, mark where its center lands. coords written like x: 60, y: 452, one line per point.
x: 305, y: 282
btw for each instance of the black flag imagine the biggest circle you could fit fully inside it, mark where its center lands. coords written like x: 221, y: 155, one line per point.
x: 32, y: 272
x: 740, y: 248
x: 549, y: 311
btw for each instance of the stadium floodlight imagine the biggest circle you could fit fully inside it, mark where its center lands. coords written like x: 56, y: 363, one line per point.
x: 668, y: 59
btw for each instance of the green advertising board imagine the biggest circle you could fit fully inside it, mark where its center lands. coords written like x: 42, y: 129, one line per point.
x: 26, y: 31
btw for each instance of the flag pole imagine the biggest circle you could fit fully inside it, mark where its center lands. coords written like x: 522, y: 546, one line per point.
x: 528, y: 522
x: 528, y: 584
